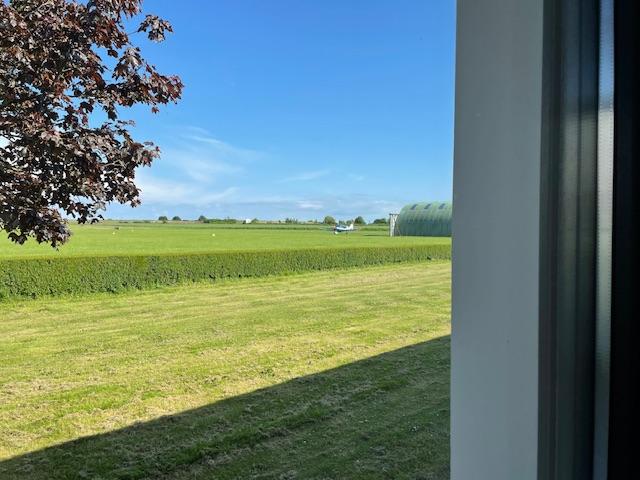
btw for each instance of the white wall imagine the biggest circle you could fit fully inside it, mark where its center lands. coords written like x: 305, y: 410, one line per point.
x: 494, y: 386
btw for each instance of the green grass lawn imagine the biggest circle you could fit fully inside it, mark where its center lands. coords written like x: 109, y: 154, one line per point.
x: 114, y: 238
x: 329, y: 375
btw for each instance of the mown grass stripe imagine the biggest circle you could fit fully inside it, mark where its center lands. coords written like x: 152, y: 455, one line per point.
x: 213, y: 380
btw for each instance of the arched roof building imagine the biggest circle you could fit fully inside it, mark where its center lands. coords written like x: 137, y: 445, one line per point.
x: 428, y: 219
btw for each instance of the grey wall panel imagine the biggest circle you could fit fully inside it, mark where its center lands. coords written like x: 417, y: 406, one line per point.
x: 494, y: 387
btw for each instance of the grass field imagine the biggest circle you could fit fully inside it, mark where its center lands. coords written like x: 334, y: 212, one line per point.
x: 155, y: 238
x: 330, y: 375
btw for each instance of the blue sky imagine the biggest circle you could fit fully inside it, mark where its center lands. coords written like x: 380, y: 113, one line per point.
x: 300, y: 108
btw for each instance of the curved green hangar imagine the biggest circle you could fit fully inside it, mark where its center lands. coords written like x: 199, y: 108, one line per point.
x: 428, y: 219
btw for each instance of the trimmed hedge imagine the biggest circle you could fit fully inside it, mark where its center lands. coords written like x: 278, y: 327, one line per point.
x: 31, y: 277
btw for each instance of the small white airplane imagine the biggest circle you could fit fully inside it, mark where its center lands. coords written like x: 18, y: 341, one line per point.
x: 343, y: 228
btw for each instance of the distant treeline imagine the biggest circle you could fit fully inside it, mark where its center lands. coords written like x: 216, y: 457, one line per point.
x: 328, y: 220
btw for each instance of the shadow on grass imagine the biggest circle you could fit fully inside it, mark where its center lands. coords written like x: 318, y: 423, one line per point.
x: 385, y: 417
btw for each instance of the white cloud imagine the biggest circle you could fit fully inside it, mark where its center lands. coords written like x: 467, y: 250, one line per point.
x: 156, y: 192
x: 170, y: 197
x: 197, y: 164
x: 342, y: 206
x: 310, y: 205
x: 306, y: 176
x: 194, y: 154
x: 202, y: 136
x: 191, y: 169
x: 201, y: 174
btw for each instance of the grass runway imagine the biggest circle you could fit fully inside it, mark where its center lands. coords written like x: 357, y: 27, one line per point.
x: 112, y: 238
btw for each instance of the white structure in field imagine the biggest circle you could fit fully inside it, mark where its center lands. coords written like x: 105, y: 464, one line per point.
x: 392, y: 223
x: 247, y: 221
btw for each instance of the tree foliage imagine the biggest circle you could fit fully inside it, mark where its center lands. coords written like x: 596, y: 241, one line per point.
x: 359, y: 221
x: 329, y: 220
x: 67, y: 69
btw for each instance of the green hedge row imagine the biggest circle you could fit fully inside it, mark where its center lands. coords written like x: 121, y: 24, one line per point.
x: 71, y: 275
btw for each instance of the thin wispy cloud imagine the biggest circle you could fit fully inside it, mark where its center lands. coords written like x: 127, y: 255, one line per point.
x: 200, y: 165
x: 195, y: 153
x: 201, y: 136
x: 195, y: 169
x: 310, y: 205
x: 306, y: 176
x: 170, y: 197
x: 201, y: 174
x: 342, y: 206
x: 162, y: 192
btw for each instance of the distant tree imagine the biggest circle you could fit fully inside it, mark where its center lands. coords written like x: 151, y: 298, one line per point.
x: 202, y: 218
x: 291, y: 220
x: 56, y: 157
x: 380, y: 221
x: 359, y: 221
x: 176, y: 219
x: 220, y: 220
x: 163, y: 218
x: 329, y: 220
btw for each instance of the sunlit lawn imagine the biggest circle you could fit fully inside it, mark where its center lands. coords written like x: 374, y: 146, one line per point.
x: 336, y: 375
